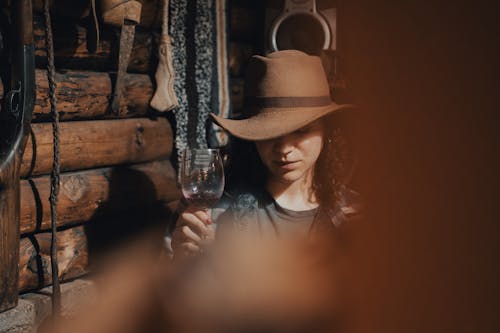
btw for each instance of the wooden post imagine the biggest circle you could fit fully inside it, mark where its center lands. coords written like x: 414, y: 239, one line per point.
x: 9, y: 230
x: 15, y: 121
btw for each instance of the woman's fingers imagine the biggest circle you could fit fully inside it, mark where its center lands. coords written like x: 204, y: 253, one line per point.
x: 210, y: 235
x: 190, y: 248
x: 185, y: 242
x: 203, y: 215
x: 194, y: 222
x: 190, y: 235
x: 193, y: 231
x: 186, y: 249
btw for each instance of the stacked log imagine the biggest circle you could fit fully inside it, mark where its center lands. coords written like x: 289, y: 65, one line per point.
x: 84, y: 196
x: 108, y: 167
x: 97, y: 143
x: 34, y: 258
x: 112, y: 164
x: 86, y: 95
x: 83, y: 193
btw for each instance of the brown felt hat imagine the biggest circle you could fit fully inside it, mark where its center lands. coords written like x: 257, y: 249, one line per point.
x: 283, y: 92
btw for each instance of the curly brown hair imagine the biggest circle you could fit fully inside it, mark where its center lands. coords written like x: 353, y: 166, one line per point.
x: 334, y: 166
x: 331, y: 173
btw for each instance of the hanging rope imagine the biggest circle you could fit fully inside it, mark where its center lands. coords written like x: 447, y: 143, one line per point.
x: 54, y: 176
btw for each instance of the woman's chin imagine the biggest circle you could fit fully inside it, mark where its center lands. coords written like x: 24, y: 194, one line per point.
x: 288, y: 177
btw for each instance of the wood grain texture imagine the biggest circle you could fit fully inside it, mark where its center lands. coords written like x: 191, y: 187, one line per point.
x: 34, y: 258
x: 87, y: 95
x: 83, y: 194
x: 9, y: 231
x: 98, y: 143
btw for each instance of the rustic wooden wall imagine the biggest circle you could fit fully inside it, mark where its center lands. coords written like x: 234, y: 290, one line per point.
x: 113, y: 165
x: 116, y: 177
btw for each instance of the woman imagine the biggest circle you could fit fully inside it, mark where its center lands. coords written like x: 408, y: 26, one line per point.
x: 295, y: 186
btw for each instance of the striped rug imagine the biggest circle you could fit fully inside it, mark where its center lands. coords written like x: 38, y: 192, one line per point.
x: 198, y: 29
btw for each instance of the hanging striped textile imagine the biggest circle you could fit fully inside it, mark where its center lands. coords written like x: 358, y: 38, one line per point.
x: 198, y: 30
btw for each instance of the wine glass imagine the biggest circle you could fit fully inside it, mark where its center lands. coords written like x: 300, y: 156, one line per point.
x: 202, y: 177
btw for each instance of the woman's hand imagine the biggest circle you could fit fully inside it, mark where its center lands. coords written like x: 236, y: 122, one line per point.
x: 194, y: 229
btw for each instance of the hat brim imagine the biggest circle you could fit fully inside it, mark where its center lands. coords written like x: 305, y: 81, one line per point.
x: 275, y: 122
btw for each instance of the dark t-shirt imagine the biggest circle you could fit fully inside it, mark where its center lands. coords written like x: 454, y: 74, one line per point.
x: 257, y: 210
x: 250, y: 210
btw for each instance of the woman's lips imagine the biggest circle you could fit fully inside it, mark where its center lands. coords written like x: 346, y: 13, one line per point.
x: 286, y: 164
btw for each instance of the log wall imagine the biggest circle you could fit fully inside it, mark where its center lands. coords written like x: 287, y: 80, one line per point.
x: 83, y: 193
x: 86, y: 95
x: 115, y: 167
x: 34, y: 258
x: 97, y: 143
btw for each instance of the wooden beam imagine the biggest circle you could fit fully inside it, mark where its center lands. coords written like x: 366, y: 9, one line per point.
x: 14, y: 132
x: 84, y: 194
x: 98, y: 143
x: 9, y: 231
x: 87, y: 95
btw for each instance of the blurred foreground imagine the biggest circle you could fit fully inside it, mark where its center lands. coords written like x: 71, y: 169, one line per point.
x: 242, y: 285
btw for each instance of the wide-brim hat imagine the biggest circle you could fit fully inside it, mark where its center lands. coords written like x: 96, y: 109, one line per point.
x: 283, y: 92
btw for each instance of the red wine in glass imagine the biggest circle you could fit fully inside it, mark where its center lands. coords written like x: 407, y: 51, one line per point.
x: 203, y: 200
x: 202, y: 177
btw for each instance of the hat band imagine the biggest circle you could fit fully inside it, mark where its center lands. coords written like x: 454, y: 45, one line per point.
x: 287, y: 102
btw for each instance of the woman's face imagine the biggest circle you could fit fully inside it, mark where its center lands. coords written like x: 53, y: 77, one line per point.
x: 292, y: 157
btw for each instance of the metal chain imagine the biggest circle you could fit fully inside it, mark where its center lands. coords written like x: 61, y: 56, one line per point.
x: 54, y: 175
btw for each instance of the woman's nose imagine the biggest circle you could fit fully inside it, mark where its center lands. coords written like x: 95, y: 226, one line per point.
x: 283, y: 146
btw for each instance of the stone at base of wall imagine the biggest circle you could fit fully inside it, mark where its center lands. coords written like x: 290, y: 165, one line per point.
x: 34, y: 307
